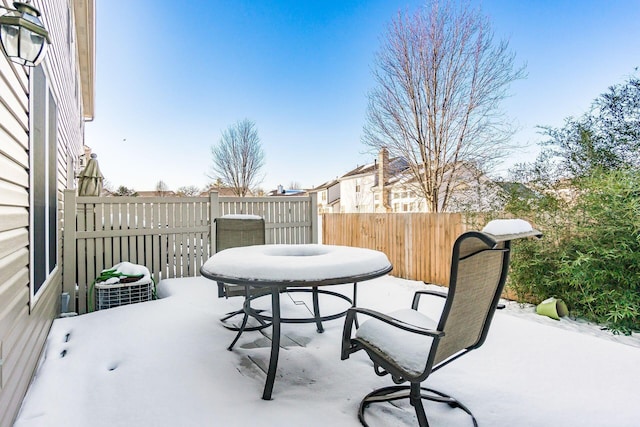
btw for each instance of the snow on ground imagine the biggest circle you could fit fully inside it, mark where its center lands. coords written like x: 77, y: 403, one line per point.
x: 165, y: 363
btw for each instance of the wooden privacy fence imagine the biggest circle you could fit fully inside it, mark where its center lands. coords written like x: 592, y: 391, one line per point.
x: 417, y: 244
x: 171, y: 236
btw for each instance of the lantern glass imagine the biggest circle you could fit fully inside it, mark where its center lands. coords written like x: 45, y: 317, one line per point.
x: 31, y: 44
x: 23, y: 36
x: 9, y: 36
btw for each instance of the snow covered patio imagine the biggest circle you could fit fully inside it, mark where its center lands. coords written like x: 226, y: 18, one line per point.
x: 165, y: 363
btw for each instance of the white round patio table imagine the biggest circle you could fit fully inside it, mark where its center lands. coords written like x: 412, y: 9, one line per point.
x: 280, y: 267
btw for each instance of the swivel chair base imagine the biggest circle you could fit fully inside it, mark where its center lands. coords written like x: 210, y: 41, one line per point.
x: 415, y: 395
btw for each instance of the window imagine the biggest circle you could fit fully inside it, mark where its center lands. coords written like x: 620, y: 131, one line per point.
x: 44, y: 197
x: 357, y: 188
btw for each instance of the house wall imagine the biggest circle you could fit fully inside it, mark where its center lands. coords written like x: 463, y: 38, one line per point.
x: 404, y: 198
x: 356, y: 193
x: 325, y: 203
x: 25, y: 319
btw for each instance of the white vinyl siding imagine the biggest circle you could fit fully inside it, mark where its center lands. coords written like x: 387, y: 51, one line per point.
x: 27, y: 308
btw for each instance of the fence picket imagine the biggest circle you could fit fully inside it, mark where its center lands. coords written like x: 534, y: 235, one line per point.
x: 98, y: 225
x: 169, y: 235
x: 417, y: 244
x: 163, y: 268
x: 149, y: 224
x: 81, y: 246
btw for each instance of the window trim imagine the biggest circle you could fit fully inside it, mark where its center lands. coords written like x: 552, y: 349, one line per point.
x: 51, y: 219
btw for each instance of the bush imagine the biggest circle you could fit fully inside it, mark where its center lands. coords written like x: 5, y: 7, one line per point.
x: 591, y: 257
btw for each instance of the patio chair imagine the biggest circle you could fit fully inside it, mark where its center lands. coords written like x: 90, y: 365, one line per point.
x: 409, y: 345
x: 233, y: 231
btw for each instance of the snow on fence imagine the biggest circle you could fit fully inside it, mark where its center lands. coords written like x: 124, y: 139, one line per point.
x: 171, y: 236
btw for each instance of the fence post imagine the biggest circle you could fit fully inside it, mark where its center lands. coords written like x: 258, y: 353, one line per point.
x: 69, y: 247
x: 314, y: 217
x: 214, y: 212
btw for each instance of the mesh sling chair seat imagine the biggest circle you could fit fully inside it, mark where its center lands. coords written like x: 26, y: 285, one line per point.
x: 233, y: 231
x: 409, y: 346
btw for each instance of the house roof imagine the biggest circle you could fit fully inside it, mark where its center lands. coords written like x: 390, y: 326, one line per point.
x: 287, y: 193
x: 324, y: 186
x: 360, y: 170
x: 396, y: 165
x: 405, y: 175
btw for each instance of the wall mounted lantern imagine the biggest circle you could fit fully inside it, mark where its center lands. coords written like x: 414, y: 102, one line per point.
x: 22, y: 35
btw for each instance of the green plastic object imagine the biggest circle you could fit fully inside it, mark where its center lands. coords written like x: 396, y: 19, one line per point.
x: 553, y: 308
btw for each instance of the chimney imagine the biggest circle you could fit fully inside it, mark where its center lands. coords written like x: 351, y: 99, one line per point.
x: 383, y: 179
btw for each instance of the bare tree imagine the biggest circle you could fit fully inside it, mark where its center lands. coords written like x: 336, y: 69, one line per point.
x: 107, y: 185
x: 188, y: 191
x: 125, y: 191
x: 238, y: 157
x: 161, y: 188
x: 440, y: 79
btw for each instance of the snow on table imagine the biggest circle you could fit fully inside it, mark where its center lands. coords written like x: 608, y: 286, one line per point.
x: 287, y: 263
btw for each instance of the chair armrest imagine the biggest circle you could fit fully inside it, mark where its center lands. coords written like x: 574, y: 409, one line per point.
x: 399, y: 323
x: 348, y: 347
x: 416, y: 296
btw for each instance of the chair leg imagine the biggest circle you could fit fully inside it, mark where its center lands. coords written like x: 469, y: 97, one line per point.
x: 415, y: 398
x: 415, y: 394
x: 232, y: 327
x: 244, y: 327
x: 246, y: 312
x: 437, y: 396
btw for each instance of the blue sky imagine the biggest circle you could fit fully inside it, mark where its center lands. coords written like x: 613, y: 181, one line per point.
x: 171, y: 76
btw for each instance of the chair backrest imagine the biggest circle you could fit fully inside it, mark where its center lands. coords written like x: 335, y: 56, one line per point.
x: 479, y: 267
x: 234, y: 232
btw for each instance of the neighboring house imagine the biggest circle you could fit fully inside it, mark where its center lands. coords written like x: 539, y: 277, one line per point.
x: 360, y: 190
x: 222, y: 190
x: 471, y: 191
x: 328, y: 196
x: 281, y: 191
x: 42, y: 117
x: 387, y: 185
x: 83, y: 159
x: 357, y: 189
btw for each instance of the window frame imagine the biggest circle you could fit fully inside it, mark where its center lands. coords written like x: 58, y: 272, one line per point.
x: 44, y: 253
